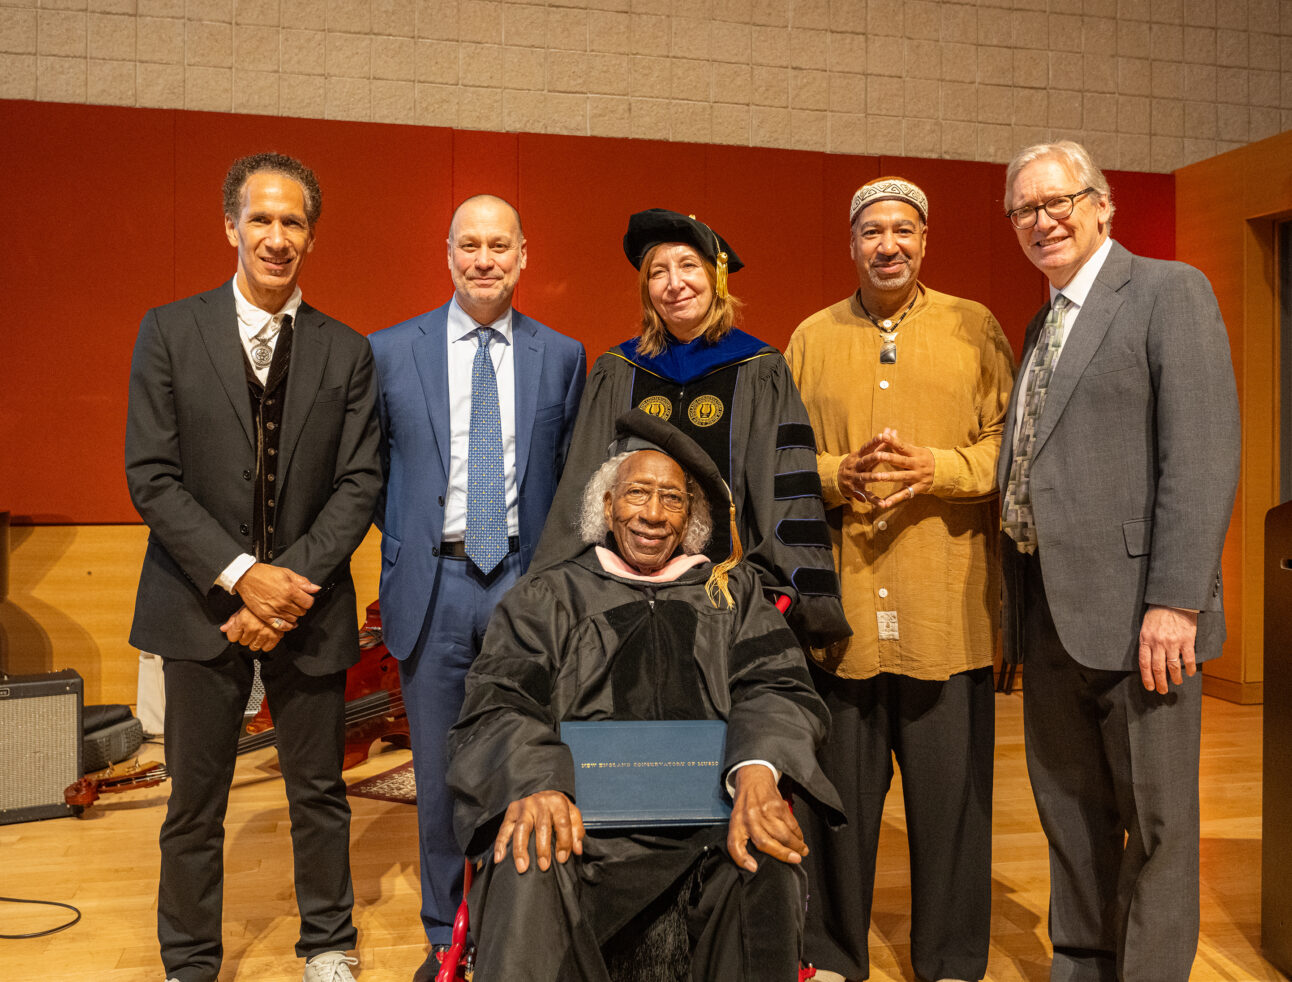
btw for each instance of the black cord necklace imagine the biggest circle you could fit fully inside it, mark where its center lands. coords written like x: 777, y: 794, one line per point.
x: 888, y: 329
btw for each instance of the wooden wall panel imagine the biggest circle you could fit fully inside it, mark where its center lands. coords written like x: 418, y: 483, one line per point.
x: 1207, y: 230
x: 72, y: 597
x: 1226, y: 209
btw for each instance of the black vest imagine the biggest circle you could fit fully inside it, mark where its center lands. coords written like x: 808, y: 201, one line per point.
x: 267, y: 419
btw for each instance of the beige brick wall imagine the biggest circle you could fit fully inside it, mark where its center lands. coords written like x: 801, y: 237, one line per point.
x: 1146, y: 84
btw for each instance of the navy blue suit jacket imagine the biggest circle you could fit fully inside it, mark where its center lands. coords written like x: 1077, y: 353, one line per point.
x: 413, y: 407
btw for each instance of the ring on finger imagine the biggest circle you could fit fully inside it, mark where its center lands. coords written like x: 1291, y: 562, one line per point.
x: 910, y: 492
x: 277, y: 623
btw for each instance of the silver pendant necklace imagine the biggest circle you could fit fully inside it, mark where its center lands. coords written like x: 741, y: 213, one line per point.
x: 262, y: 353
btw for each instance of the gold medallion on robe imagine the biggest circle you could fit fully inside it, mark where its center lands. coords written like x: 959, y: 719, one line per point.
x: 656, y: 406
x: 704, y: 410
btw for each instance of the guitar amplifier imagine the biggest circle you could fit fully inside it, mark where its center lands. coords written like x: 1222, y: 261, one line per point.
x: 40, y: 744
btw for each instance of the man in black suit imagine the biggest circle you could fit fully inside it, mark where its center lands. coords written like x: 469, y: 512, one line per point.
x: 252, y: 455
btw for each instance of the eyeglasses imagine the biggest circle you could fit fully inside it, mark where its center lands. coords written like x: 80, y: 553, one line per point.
x: 1059, y: 207
x: 639, y: 494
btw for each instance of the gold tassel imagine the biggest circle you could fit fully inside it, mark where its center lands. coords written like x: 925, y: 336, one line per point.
x: 721, y: 287
x: 717, y: 582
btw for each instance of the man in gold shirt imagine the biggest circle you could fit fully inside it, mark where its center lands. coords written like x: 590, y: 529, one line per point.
x: 906, y: 389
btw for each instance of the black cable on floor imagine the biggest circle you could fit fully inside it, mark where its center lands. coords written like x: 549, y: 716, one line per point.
x: 40, y: 934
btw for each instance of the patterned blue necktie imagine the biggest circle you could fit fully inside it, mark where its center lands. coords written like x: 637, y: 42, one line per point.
x: 486, y: 538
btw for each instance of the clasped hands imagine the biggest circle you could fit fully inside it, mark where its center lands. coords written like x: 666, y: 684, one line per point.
x: 759, y: 815
x: 887, y: 459
x: 274, y: 598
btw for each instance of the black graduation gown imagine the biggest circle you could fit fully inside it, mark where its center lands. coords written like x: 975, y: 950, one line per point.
x: 736, y: 398
x: 577, y: 643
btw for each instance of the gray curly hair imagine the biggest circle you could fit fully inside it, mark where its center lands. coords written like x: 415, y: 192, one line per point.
x: 592, y: 521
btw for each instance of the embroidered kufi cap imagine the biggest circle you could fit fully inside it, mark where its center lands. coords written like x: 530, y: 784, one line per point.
x: 639, y: 430
x: 887, y: 189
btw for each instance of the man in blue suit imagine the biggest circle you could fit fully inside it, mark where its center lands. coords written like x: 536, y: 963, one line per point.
x: 476, y: 403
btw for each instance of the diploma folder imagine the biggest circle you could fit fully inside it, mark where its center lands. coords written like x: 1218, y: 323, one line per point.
x: 648, y: 773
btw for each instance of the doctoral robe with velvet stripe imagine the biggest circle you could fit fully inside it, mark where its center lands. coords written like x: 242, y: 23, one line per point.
x: 761, y: 442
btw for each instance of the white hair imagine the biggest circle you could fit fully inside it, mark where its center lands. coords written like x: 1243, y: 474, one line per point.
x: 1074, y: 156
x: 593, y: 527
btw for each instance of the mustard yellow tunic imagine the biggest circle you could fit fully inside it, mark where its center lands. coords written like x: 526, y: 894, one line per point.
x: 921, y: 580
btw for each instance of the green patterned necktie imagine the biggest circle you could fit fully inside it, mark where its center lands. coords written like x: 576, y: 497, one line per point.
x: 1017, y: 508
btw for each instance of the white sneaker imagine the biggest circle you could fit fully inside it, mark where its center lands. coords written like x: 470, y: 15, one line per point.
x: 331, y: 966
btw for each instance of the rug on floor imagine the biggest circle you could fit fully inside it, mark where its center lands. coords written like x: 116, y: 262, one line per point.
x: 395, y: 784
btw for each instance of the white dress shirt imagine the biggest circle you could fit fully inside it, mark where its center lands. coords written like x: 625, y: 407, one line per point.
x: 254, y: 323
x: 462, y: 352
x: 1076, y: 291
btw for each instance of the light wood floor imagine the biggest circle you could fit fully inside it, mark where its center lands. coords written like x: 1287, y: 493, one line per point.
x: 106, y: 864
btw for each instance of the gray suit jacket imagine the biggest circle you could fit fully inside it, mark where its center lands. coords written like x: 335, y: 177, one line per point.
x: 1135, y: 464
x: 190, y: 465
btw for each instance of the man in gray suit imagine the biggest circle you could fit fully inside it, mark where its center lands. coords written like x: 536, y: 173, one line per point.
x: 252, y: 454
x: 1117, y: 476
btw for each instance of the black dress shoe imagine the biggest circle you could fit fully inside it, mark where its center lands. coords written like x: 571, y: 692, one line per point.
x: 427, y: 971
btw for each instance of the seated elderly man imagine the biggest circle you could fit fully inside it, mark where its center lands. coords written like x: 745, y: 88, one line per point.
x: 641, y: 627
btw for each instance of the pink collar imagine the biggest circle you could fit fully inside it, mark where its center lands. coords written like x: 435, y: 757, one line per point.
x: 675, y: 567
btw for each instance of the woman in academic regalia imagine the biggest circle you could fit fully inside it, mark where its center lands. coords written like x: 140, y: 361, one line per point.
x: 729, y: 392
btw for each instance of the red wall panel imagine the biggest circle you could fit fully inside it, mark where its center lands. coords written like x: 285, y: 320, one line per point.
x: 769, y: 204
x: 111, y: 211
x: 386, y: 207
x: 576, y: 196
x: 1144, y: 221
x: 88, y: 237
